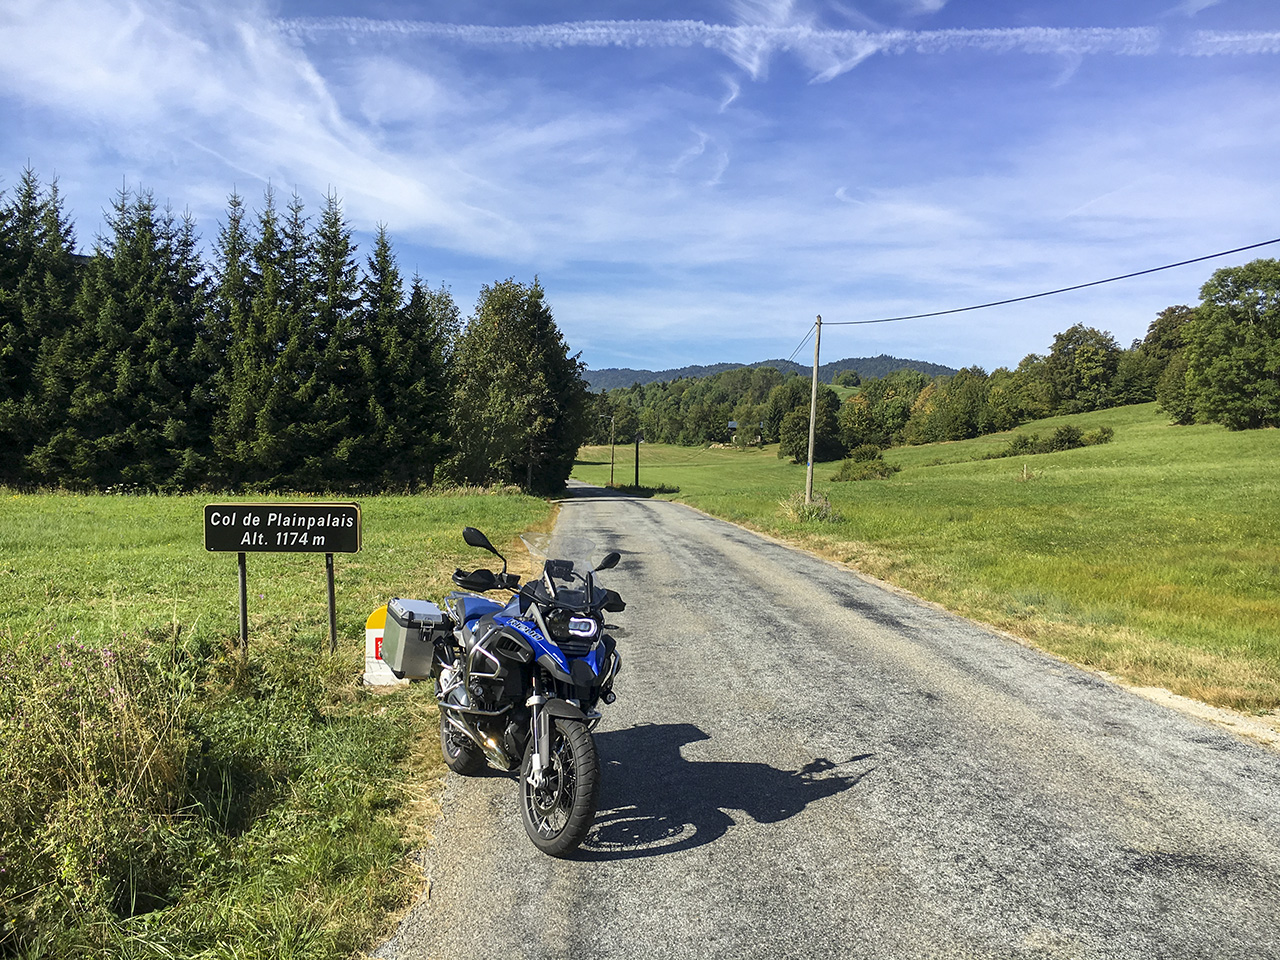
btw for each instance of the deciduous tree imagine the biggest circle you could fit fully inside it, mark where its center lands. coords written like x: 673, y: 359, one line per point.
x: 520, y: 403
x: 1080, y: 368
x: 1233, y: 347
x: 794, y: 430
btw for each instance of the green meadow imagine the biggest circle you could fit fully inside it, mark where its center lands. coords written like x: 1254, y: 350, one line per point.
x: 1155, y: 557
x: 164, y: 793
x: 99, y: 567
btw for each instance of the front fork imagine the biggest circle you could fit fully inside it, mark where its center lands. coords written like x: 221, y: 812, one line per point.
x: 540, y: 730
x: 542, y: 709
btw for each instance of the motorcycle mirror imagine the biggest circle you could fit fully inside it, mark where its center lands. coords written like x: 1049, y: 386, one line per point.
x: 610, y: 561
x: 474, y: 538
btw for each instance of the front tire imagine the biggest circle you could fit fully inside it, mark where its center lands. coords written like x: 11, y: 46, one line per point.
x: 460, y: 754
x: 558, y: 814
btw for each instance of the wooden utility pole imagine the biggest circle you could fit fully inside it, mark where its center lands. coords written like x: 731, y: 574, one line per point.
x: 813, y: 411
x: 612, y: 420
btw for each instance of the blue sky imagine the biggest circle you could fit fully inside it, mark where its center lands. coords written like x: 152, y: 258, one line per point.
x: 693, y: 182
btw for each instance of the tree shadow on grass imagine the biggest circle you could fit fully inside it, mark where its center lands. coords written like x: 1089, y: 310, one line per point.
x: 587, y: 492
x: 646, y: 492
x: 654, y: 801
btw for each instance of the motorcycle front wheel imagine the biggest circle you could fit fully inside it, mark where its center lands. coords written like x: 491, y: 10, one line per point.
x: 558, y: 813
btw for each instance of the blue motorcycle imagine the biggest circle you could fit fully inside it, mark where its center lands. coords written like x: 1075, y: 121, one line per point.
x: 519, y: 682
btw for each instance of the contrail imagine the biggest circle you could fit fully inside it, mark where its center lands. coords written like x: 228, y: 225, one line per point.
x: 829, y: 52
x: 1209, y: 43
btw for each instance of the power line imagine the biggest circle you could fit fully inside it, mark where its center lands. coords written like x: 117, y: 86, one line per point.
x: 1031, y: 296
x: 1046, y: 293
x: 812, y: 327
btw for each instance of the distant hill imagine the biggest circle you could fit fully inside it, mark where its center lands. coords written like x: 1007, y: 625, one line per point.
x: 611, y: 378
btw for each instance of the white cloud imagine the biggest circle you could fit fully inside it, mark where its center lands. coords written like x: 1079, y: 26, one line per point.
x: 693, y: 152
x: 777, y: 13
x: 221, y: 89
x: 923, y: 6
x: 538, y: 173
x: 732, y: 92
x: 1191, y: 7
x: 390, y: 92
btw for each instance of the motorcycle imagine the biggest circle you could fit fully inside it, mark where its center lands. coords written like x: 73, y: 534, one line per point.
x: 519, y: 682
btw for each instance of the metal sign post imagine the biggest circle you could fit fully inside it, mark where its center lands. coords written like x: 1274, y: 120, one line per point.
x: 308, y: 527
x: 333, y: 609
x: 244, y: 604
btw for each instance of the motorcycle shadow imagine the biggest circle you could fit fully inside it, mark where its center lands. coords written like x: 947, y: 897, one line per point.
x: 653, y: 801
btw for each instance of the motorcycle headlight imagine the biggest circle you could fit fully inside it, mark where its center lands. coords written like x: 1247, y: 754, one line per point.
x: 583, y: 627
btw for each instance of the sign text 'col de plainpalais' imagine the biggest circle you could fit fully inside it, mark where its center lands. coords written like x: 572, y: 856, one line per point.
x: 282, y: 527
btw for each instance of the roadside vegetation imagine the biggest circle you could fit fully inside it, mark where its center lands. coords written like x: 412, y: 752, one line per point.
x: 165, y: 794
x: 1155, y: 556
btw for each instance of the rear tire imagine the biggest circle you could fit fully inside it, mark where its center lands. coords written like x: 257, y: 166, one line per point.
x: 558, y: 814
x: 460, y: 754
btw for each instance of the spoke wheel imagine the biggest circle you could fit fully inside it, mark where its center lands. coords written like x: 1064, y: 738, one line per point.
x: 558, y: 812
x: 460, y: 753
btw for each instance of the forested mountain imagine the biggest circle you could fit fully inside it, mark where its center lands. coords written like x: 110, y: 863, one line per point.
x: 1218, y: 362
x: 611, y: 378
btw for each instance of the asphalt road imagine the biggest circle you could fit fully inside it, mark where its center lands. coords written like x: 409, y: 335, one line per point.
x: 802, y: 764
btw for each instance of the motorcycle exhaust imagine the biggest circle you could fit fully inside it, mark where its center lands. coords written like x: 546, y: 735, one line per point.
x: 492, y: 750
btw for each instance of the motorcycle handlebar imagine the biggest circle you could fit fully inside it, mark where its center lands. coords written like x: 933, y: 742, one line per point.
x: 483, y: 581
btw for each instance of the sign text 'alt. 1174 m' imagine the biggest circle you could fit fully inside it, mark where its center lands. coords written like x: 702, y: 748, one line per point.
x: 282, y: 527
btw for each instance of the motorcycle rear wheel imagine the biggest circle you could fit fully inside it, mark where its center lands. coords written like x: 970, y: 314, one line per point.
x: 558, y: 814
x: 462, y: 756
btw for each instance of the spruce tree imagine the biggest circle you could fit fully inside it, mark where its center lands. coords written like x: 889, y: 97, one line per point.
x: 189, y: 288
x: 37, y: 291
x: 338, y: 414
x: 385, y: 440
x: 228, y: 321
x: 268, y: 351
x: 119, y: 381
x: 298, y: 361
x: 416, y: 367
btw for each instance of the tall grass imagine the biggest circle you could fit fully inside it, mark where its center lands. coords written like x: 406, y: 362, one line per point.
x: 163, y: 794
x: 1155, y: 556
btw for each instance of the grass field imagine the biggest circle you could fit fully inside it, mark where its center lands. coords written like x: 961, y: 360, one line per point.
x: 1155, y: 557
x: 163, y: 795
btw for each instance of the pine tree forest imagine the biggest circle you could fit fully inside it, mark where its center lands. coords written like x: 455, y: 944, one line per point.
x: 279, y: 358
